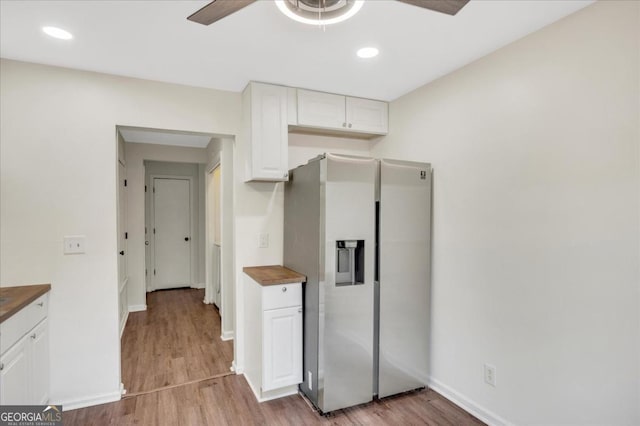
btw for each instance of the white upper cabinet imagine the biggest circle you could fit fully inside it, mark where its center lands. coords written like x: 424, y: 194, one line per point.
x: 365, y: 115
x: 342, y: 113
x: 317, y: 109
x: 265, y: 125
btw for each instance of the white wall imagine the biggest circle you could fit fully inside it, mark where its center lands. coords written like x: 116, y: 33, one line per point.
x: 535, y: 150
x: 303, y: 148
x: 58, y: 177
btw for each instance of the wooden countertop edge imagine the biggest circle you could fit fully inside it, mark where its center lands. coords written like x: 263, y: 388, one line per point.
x: 273, y: 275
x: 23, y: 295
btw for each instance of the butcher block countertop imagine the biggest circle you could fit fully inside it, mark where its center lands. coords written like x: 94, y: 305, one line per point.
x: 12, y: 299
x: 273, y: 275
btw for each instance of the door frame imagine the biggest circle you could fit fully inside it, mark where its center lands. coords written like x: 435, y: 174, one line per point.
x: 152, y: 219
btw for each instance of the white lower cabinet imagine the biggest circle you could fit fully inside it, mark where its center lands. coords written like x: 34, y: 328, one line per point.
x: 24, y: 363
x: 282, y: 344
x: 273, y: 338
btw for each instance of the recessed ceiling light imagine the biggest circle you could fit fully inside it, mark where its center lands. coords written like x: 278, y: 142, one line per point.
x: 57, y: 33
x: 368, y: 52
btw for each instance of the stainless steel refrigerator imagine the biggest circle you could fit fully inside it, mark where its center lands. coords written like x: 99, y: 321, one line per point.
x: 360, y: 230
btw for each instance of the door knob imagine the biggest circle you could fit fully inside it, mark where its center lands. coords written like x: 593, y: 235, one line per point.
x: 186, y: 238
x: 122, y: 253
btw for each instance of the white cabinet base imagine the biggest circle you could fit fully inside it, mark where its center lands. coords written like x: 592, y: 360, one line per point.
x: 273, y: 338
x: 262, y: 396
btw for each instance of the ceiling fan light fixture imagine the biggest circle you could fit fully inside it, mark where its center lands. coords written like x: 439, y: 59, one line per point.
x: 56, y: 32
x: 319, y: 12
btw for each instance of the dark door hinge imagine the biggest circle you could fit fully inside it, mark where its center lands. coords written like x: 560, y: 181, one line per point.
x: 125, y: 182
x: 145, y: 188
x: 154, y: 231
x: 154, y: 272
x: 126, y: 235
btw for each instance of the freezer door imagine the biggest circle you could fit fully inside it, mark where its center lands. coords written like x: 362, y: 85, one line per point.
x: 405, y: 271
x: 345, y: 360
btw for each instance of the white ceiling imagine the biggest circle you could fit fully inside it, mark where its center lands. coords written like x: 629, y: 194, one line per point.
x: 153, y: 40
x: 164, y: 137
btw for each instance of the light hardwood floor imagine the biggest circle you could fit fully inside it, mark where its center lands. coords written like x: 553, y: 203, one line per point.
x: 175, y: 341
x: 229, y: 401
x: 176, y: 344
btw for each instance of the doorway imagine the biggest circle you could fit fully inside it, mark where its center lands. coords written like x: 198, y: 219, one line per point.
x: 173, y: 334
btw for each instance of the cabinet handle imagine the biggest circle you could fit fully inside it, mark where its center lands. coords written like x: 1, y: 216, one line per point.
x: 41, y: 304
x: 349, y: 125
x: 286, y: 175
x: 284, y: 289
x: 344, y: 124
x: 300, y: 310
x: 33, y: 336
x: 1, y: 366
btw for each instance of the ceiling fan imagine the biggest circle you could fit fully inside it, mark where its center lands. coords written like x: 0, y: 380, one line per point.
x: 316, y: 12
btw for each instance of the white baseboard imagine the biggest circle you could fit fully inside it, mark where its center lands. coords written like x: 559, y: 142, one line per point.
x: 123, y: 323
x: 227, y: 335
x: 104, y: 398
x: 274, y: 394
x: 473, y: 408
x: 235, y: 368
x: 198, y: 285
x: 137, y: 308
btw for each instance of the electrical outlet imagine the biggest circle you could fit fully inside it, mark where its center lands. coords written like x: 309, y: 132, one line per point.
x: 74, y: 244
x: 490, y: 374
x: 264, y: 241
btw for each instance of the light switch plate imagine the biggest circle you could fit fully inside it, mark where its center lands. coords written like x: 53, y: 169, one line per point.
x: 74, y: 244
x: 264, y: 241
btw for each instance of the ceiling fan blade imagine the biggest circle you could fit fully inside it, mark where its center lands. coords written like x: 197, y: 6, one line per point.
x: 217, y: 10
x: 450, y: 7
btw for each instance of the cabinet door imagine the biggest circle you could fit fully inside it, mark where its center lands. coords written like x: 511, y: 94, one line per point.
x: 14, y: 374
x: 39, y: 360
x: 324, y: 110
x: 365, y: 115
x: 269, y: 133
x: 282, y: 348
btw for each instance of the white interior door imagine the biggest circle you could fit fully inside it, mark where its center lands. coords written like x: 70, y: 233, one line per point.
x: 172, y: 238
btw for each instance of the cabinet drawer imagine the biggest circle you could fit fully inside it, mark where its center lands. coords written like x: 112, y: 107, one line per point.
x: 21, y: 322
x: 281, y: 296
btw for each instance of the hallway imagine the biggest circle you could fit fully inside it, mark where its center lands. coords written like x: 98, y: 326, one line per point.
x: 175, y: 341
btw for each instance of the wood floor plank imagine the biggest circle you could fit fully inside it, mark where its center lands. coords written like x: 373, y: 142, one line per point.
x: 176, y: 340
x: 229, y: 401
x: 176, y: 345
